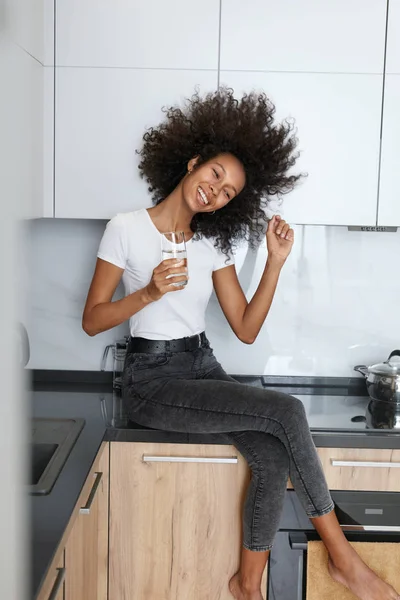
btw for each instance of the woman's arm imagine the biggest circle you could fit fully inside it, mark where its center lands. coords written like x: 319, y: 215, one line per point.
x: 100, y: 314
x: 247, y: 318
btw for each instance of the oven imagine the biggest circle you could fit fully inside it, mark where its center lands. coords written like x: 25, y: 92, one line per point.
x: 364, y: 517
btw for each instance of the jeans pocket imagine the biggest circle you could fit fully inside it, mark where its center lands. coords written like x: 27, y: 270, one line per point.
x: 141, y: 360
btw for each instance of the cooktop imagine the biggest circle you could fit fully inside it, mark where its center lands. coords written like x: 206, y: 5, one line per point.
x: 335, y: 406
x: 342, y: 412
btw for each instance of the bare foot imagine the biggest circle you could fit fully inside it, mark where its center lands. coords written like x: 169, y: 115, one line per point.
x: 362, y: 581
x: 240, y: 593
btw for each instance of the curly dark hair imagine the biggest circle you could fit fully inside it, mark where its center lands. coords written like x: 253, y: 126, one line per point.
x: 217, y: 124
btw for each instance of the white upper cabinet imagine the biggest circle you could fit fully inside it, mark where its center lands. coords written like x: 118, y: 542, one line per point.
x: 47, y: 125
x: 145, y: 33
x: 338, y: 126
x: 389, y: 203
x: 389, y: 200
x: 336, y: 36
x: 32, y: 24
x: 393, y: 38
x: 101, y: 116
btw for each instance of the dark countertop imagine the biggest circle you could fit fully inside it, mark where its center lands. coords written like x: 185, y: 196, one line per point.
x: 329, y: 410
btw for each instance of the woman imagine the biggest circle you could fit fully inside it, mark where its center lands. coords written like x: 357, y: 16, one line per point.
x: 208, y: 167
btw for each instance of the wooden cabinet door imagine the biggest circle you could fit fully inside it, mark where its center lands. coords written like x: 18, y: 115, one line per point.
x: 374, y: 469
x: 175, y: 520
x: 86, y: 552
x: 360, y: 469
x: 53, y: 587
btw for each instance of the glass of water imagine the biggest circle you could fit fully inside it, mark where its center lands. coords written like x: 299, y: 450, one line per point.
x: 173, y: 245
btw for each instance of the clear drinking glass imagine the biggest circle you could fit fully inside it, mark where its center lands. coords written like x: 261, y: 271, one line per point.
x: 173, y: 245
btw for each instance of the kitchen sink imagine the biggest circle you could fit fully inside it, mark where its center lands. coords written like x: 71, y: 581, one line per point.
x: 51, y: 443
x: 41, y: 456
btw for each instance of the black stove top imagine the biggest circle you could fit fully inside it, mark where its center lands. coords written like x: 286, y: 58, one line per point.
x: 350, y: 413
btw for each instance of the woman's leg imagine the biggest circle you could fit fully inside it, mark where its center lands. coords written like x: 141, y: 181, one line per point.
x: 215, y: 406
x: 174, y: 402
x: 269, y: 464
x: 345, y: 566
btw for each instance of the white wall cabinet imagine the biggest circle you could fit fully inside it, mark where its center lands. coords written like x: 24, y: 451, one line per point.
x: 101, y: 115
x: 393, y: 38
x: 389, y: 202
x: 389, y: 197
x: 338, y: 126
x: 32, y: 24
x: 322, y: 64
x: 338, y: 36
x: 151, y: 34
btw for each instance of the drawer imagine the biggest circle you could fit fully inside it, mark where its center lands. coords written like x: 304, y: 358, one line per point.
x: 363, y: 469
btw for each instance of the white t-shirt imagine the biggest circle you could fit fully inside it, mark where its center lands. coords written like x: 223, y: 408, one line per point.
x: 132, y: 242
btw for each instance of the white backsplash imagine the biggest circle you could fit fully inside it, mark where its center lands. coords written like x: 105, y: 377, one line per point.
x: 337, y: 302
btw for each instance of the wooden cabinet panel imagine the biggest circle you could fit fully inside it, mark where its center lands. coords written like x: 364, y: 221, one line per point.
x: 336, y: 36
x: 53, y: 587
x: 151, y: 34
x: 367, y: 469
x: 175, y: 527
x: 86, y: 552
x: 337, y: 119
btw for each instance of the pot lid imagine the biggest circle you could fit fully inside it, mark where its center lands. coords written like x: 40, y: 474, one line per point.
x: 390, y: 367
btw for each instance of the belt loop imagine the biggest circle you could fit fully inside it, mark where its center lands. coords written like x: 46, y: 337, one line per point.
x: 168, y: 344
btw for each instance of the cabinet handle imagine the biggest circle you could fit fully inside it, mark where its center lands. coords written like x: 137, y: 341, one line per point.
x: 190, y: 459
x: 57, y: 584
x: 85, y: 510
x: 371, y: 527
x: 364, y: 463
x: 300, y: 571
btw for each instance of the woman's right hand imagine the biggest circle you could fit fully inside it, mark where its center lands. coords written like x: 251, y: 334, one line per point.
x: 160, y: 285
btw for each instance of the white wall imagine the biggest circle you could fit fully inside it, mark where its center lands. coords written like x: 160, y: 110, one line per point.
x: 336, y: 304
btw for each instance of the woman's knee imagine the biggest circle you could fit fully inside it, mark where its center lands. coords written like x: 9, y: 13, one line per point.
x: 263, y: 452
x: 294, y: 407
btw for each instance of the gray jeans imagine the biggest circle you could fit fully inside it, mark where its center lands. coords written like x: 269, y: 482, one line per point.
x: 189, y: 392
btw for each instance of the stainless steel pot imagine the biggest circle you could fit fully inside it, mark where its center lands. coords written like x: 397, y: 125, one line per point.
x: 383, y: 379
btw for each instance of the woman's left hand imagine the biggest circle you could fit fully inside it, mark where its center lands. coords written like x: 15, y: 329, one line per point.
x: 280, y: 238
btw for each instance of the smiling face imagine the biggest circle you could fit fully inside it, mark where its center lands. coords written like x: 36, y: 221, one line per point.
x: 213, y: 184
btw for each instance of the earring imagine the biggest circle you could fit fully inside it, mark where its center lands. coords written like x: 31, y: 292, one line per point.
x: 212, y: 213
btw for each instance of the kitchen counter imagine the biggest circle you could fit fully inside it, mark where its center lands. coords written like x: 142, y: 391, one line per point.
x: 329, y: 408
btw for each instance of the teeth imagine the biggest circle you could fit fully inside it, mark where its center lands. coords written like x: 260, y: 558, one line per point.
x: 203, y: 196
